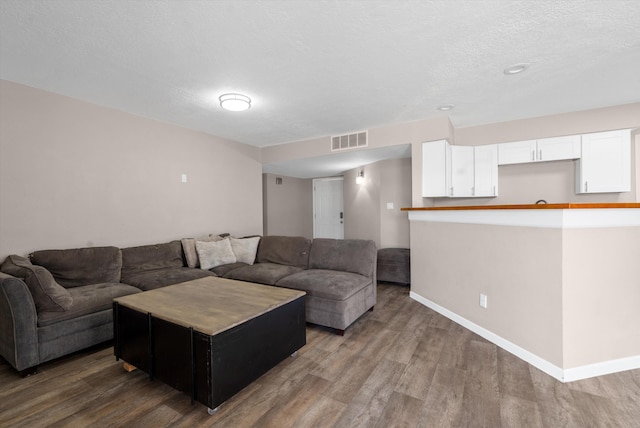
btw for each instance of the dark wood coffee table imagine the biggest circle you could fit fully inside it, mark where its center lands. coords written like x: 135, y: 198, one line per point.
x: 209, y: 337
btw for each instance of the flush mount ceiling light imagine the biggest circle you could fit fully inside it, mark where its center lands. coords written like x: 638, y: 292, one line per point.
x: 445, y: 107
x: 515, y: 69
x: 235, y: 102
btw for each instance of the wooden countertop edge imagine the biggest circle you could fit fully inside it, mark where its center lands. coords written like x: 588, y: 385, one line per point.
x: 529, y: 207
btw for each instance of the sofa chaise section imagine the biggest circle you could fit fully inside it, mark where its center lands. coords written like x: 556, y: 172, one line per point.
x: 340, y: 282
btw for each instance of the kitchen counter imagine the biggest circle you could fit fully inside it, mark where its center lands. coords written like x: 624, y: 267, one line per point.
x: 564, y: 206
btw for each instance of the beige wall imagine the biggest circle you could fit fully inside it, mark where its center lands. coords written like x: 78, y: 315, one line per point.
x: 288, y: 207
x: 568, y: 296
x: 395, y: 187
x: 601, y: 295
x: 518, y: 268
x: 580, y: 122
x: 383, y: 136
x: 73, y: 174
x: 361, y: 204
x: 366, y: 213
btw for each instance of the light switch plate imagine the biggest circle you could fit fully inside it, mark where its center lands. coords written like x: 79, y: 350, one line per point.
x: 483, y: 300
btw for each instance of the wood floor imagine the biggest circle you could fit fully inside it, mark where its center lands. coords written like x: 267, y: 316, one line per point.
x: 401, y: 365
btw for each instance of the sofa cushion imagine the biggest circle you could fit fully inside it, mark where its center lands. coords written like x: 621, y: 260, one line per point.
x: 347, y: 255
x: 328, y: 284
x: 149, y: 257
x: 215, y: 253
x: 47, y: 294
x: 88, y: 299
x: 245, y: 249
x: 225, y: 269
x: 189, y: 248
x: 81, y: 266
x: 262, y: 273
x: 156, y: 278
x: 284, y: 250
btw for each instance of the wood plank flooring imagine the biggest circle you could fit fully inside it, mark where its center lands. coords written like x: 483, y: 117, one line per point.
x: 401, y: 365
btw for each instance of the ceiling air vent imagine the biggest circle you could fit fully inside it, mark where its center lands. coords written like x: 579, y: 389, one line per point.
x: 349, y: 141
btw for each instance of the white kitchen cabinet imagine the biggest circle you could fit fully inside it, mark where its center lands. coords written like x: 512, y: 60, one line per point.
x: 558, y: 148
x: 459, y: 171
x: 462, y: 171
x: 436, y: 169
x: 485, y: 170
x: 605, y: 163
x: 544, y: 149
x: 517, y: 152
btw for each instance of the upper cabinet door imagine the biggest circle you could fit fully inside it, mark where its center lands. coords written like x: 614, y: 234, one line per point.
x: 436, y: 169
x: 558, y: 148
x: 486, y: 170
x: 517, y: 152
x: 545, y: 149
x: 462, y: 171
x: 605, y: 164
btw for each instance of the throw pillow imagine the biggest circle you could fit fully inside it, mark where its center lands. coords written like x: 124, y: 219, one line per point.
x: 215, y: 253
x: 48, y: 295
x: 245, y: 249
x: 189, y: 248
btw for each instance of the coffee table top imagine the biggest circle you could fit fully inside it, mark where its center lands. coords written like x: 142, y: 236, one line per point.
x: 210, y: 305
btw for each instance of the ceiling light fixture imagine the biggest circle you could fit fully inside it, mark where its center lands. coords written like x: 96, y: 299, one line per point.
x: 445, y: 107
x: 515, y: 69
x: 235, y: 102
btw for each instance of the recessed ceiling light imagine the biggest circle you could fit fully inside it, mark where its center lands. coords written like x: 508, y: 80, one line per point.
x: 445, y: 107
x: 515, y: 69
x: 235, y: 102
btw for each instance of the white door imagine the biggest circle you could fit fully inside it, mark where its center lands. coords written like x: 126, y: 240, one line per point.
x: 328, y: 208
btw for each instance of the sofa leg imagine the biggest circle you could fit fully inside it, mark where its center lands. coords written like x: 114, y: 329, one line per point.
x: 28, y: 372
x: 371, y: 308
x: 339, y: 332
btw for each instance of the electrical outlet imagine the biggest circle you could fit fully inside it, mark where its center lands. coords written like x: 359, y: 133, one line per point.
x: 183, y: 178
x: 483, y: 300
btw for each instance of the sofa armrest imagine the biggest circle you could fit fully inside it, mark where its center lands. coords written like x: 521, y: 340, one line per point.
x: 18, y: 323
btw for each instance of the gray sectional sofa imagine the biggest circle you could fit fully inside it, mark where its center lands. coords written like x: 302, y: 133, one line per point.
x: 60, y: 301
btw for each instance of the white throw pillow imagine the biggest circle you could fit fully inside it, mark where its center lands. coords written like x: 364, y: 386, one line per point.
x: 189, y: 248
x: 245, y: 249
x: 215, y: 253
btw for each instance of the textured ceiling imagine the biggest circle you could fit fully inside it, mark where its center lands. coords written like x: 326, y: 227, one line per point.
x: 319, y: 68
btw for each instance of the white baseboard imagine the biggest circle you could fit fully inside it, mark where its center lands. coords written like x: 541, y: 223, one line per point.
x: 563, y: 375
x: 603, y: 368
